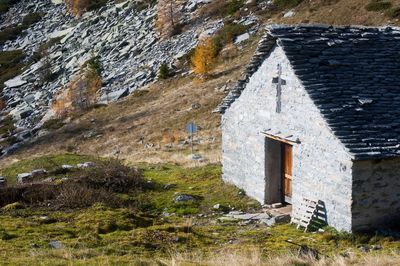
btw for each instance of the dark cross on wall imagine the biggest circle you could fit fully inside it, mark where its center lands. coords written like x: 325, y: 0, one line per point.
x: 279, y: 82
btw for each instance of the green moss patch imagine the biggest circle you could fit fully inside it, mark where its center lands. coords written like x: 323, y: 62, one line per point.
x: 5, y: 5
x: 393, y: 12
x: 6, y: 125
x: 11, y: 65
x: 157, y: 225
x: 284, y: 4
x: 203, y: 183
x: 227, y: 34
x: 49, y: 163
x: 378, y: 5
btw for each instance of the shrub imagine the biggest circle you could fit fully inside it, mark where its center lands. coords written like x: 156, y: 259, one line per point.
x: 5, y: 235
x: 227, y: 34
x: 11, y: 64
x: 81, y: 93
x: 47, y: 45
x: 11, y: 33
x: 113, y: 176
x: 168, y: 18
x: 29, y: 194
x: 5, y: 5
x: 164, y: 71
x: 221, y: 8
x: 393, y: 12
x: 75, y: 195
x: 31, y: 19
x: 284, y: 4
x: 140, y: 6
x: 78, y: 7
x: 232, y: 7
x: 139, y: 93
x: 3, y: 103
x: 7, y: 125
x: 95, y: 65
x: 53, y: 124
x: 204, y: 57
x: 378, y: 5
x: 45, y: 72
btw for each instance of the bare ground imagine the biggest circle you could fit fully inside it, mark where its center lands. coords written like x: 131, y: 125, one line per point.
x: 338, y: 12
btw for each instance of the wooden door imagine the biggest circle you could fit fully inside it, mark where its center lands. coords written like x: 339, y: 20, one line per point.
x: 287, y: 162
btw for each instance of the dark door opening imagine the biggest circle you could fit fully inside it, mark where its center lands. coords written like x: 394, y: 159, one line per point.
x: 278, y: 171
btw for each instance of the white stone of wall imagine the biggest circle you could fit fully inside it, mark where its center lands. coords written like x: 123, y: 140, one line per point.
x: 322, y: 169
x: 376, y: 193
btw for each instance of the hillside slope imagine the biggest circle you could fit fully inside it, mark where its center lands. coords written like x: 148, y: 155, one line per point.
x: 343, y: 12
x: 150, y: 124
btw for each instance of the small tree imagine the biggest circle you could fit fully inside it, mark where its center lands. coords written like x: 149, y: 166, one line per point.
x: 62, y: 103
x: 81, y: 92
x: 204, y: 57
x: 45, y: 73
x: 164, y: 71
x: 77, y: 7
x: 84, y: 90
x: 168, y: 18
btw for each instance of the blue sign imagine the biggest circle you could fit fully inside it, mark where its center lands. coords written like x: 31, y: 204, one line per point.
x: 191, y: 128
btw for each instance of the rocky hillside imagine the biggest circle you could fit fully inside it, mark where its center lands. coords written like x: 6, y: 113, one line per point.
x: 43, y: 48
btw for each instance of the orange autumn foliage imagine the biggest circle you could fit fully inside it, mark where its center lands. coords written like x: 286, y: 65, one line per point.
x: 77, y: 7
x: 79, y: 95
x: 204, y: 57
x: 168, y: 18
x: 3, y: 104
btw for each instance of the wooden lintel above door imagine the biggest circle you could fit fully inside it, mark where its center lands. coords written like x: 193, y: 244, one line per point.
x: 280, y: 139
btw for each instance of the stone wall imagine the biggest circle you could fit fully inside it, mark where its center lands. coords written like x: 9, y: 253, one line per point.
x: 376, y: 193
x: 321, y: 166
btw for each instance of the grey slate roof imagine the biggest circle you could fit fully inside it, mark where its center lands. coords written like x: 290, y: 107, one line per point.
x: 353, y: 76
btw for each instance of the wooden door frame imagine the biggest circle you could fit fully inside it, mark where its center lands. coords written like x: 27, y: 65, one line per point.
x: 274, y: 171
x: 284, y: 146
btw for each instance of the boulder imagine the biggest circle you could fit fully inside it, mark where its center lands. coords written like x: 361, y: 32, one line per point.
x: 24, y: 177
x: 56, y: 244
x: 3, y: 181
x: 57, y: 2
x: 15, y: 82
x: 114, y: 96
x: 241, y: 38
x: 38, y: 173
x: 86, y: 164
x: 184, y: 198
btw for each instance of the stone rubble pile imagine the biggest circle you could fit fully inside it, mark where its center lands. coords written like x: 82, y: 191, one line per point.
x: 269, y: 218
x: 122, y: 37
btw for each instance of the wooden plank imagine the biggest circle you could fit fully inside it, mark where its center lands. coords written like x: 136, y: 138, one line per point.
x: 304, y: 215
x: 287, y: 152
x: 280, y: 139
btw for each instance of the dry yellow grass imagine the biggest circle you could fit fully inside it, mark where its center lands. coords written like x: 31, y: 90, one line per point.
x: 338, y: 12
x: 254, y: 257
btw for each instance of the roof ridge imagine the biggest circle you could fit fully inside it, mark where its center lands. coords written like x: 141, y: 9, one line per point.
x: 328, y: 26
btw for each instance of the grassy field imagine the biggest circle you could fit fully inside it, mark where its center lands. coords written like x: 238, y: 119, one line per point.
x: 149, y: 226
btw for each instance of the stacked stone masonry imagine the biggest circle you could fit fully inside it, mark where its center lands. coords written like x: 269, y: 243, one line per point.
x: 341, y: 106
